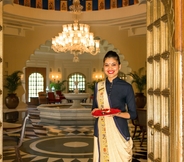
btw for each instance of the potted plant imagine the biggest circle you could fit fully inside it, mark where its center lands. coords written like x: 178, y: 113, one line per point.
x: 58, y: 86
x: 91, y: 85
x: 139, y: 79
x: 12, y: 82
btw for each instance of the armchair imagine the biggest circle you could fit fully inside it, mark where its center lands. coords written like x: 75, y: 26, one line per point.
x: 61, y: 96
x: 52, y: 98
x: 42, y: 97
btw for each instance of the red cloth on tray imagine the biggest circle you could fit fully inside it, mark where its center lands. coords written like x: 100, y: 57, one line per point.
x: 105, y: 112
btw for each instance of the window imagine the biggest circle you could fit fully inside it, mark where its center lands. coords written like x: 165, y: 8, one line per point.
x: 81, y: 85
x: 36, y: 84
x: 35, y: 77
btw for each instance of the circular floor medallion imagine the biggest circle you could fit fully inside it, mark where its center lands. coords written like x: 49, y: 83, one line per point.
x: 58, y: 146
x: 75, y: 144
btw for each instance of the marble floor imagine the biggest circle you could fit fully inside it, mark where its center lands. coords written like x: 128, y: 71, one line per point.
x: 57, y: 143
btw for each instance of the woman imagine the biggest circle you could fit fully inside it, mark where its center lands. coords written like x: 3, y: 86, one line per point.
x: 112, y: 141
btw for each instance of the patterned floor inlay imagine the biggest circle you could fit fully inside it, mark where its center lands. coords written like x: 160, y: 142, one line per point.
x: 51, y: 143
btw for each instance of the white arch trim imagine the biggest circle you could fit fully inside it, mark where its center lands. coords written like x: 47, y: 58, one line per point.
x: 44, y: 55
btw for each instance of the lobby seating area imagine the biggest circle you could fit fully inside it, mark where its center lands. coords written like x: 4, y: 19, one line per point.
x: 53, y: 98
x: 45, y: 142
x: 50, y: 97
x: 42, y: 98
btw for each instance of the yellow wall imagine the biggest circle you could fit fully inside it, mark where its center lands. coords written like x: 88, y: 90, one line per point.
x: 17, y: 50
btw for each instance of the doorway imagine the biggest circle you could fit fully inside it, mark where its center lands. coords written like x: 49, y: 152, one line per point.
x: 35, y: 79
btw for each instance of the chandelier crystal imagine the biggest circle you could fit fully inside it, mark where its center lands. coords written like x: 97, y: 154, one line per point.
x: 76, y: 38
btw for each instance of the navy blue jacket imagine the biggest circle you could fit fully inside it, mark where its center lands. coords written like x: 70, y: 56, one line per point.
x: 121, y: 96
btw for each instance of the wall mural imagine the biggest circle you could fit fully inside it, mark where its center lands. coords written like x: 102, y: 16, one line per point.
x: 88, y: 5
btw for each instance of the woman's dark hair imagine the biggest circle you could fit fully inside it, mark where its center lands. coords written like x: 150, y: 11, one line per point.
x: 112, y: 54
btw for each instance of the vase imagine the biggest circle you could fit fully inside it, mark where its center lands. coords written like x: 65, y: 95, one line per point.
x: 11, y: 101
x: 140, y: 100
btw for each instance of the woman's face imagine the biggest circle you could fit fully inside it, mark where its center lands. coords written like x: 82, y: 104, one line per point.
x: 111, y: 68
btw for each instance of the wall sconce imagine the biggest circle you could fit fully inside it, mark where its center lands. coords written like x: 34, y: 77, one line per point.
x: 98, y: 76
x: 123, y: 76
x: 55, y: 77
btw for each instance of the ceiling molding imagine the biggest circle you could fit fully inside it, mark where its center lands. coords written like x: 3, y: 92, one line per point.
x: 21, y: 18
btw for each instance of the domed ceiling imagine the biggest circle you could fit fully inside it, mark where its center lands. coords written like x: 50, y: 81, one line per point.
x: 88, y: 5
x: 22, y: 15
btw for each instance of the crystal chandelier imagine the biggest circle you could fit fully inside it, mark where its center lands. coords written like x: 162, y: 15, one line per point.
x: 76, y: 38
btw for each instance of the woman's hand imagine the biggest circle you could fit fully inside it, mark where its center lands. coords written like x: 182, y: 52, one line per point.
x: 94, y: 110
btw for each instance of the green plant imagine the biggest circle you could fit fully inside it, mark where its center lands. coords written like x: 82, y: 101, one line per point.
x: 91, y: 85
x: 13, y: 81
x: 139, y: 79
x: 59, y: 85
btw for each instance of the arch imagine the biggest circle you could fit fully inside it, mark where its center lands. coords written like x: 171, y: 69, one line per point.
x: 45, y: 57
x: 44, y: 54
x: 36, y: 84
x: 80, y: 78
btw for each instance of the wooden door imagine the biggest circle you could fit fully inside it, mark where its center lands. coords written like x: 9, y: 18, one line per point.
x: 1, y: 80
x: 164, y: 78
